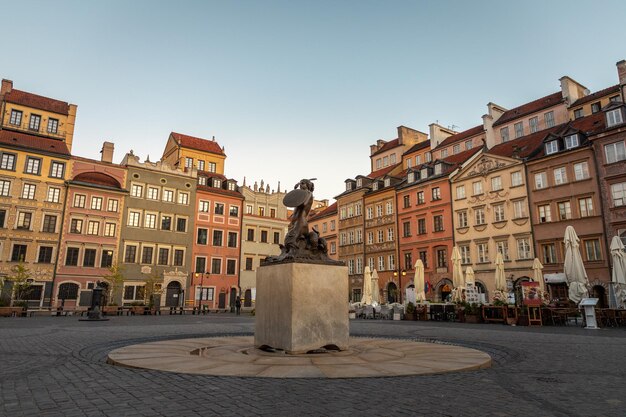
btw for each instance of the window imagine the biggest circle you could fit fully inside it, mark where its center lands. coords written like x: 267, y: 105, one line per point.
x: 130, y: 254
x: 462, y: 218
x: 109, y: 229
x: 477, y: 187
x: 166, y: 222
x: 202, y: 180
x: 248, y: 209
x: 179, y: 257
x: 232, y: 239
x: 3, y: 216
x: 544, y: 214
x: 549, y: 119
x: 164, y: 256
x: 134, y: 218
x: 496, y: 183
x: 49, y: 223
x: 502, y: 247
x: 387, y: 182
x: 391, y: 262
x: 57, y: 169
x: 93, y: 227
x: 571, y: 141
x: 248, y: 264
x: 200, y: 264
x: 250, y: 235
x: 370, y: 238
x: 106, y: 259
x: 381, y: 236
x: 468, y: 145
x: 516, y: 178
x: 96, y: 203
x: 552, y: 147
x: 212, y: 167
x: 273, y: 211
x: 498, y: 213
x: 216, y: 266
x: 465, y: 254
x: 16, y: 118
x: 586, y: 207
x: 592, y: 250
x: 533, y: 123
x: 168, y: 196
x: 219, y: 208
x: 381, y: 263
x: 150, y: 221
x: 112, y: 205
x: 565, y: 211
x: 5, y: 188
x: 200, y: 165
x: 54, y: 195
x: 479, y: 216
x: 202, y: 236
x: 424, y: 258
x: 541, y: 180
x: 45, y: 255
x: 389, y: 234
x: 385, y: 161
x: 418, y: 159
x: 581, y: 171
x: 277, y: 238
x: 519, y: 130
x: 183, y: 198
x: 483, y: 252
x: 460, y: 191
x: 379, y: 210
x: 560, y: 176
x: 134, y: 292
x: 89, y: 258
x: 523, y: 248
x: 615, y: 152
x: 203, y: 206
x: 436, y: 193
x: 188, y: 162
x: 406, y: 229
x: 217, y: 183
x: 233, y: 211
x: 76, y: 226
x: 549, y: 253
x: 71, y: 257
x: 595, y: 107
x: 231, y: 266
x: 350, y: 266
x: 438, y: 223
x: 444, y: 153
x: 406, y: 200
x: 33, y: 165
x: 421, y: 226
x: 264, y: 236
x: 23, y: 220
x: 153, y: 193
x: 389, y: 208
x: 53, y: 125
x: 332, y: 225
x: 136, y: 190
x: 146, y: 254
x: 181, y: 224
x: 618, y: 193
x: 504, y: 134
x: 456, y: 149
x: 7, y: 162
x: 420, y: 197
x: 614, y: 117
x: 35, y: 121
x: 578, y: 113
x: 28, y: 192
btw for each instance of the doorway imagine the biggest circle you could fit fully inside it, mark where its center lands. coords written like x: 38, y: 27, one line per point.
x: 172, y: 294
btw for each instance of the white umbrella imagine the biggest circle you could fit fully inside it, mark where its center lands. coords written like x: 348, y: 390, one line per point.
x: 375, y: 290
x: 367, y: 287
x: 500, y: 277
x: 469, y: 275
x: 618, y: 275
x: 574, y: 268
x: 418, y: 280
x: 457, y: 275
x: 538, y: 275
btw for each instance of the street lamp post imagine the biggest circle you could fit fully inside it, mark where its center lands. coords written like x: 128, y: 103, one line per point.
x: 201, y: 275
x: 399, y: 274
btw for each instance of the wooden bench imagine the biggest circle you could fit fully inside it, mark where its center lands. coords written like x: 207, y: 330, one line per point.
x: 12, y: 312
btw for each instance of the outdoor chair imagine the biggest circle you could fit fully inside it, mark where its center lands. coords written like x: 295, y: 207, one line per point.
x: 386, y: 313
x: 368, y: 312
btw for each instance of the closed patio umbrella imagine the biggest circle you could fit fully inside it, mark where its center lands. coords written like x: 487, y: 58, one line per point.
x: 366, y: 298
x: 574, y: 268
x: 500, y: 277
x: 469, y: 275
x: 538, y: 275
x: 618, y: 274
x: 375, y: 289
x: 457, y: 275
x: 418, y: 281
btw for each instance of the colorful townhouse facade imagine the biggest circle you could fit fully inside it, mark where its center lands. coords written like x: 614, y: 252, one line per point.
x: 325, y: 222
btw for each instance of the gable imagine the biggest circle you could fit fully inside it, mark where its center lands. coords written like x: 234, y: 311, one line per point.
x: 484, y: 164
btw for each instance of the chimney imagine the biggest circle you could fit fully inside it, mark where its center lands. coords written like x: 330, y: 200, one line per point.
x: 107, y: 152
x: 7, y: 86
x: 571, y: 90
x: 621, y: 74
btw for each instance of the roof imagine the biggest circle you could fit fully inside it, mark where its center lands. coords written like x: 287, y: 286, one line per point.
x: 212, y: 175
x: 462, y: 135
x: 328, y: 211
x: 26, y: 141
x: 530, y: 107
x: 97, y: 178
x: 382, y: 172
x: 209, y: 189
x: 37, y: 102
x: 417, y: 147
x: 596, y: 95
x: 199, y: 144
x: 387, y: 146
x: 461, y: 157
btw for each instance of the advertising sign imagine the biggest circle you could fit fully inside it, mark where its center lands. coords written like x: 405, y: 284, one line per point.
x: 530, y: 294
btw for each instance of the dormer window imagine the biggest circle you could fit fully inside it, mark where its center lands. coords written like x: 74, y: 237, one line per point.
x: 424, y: 173
x: 375, y: 186
x: 411, y: 177
x: 387, y: 182
x: 552, y: 147
x: 437, y: 169
x: 202, y: 180
x: 217, y: 183
x: 348, y: 186
x: 359, y: 182
x: 614, y: 117
x: 232, y: 186
x: 571, y: 141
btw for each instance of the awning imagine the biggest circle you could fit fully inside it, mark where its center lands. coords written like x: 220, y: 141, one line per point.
x: 557, y: 278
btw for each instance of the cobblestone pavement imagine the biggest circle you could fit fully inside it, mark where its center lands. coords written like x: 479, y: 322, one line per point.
x: 55, y: 366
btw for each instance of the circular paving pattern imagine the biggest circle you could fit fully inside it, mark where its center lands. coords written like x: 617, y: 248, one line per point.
x: 236, y: 356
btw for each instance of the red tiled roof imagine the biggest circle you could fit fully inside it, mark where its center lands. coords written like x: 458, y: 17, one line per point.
x: 23, y: 140
x: 382, y: 172
x: 212, y: 175
x: 461, y: 157
x: 97, y: 178
x: 37, y: 102
x: 328, y: 211
x: 417, y: 147
x: 531, y: 107
x: 199, y: 144
x: 387, y: 146
x: 596, y: 95
x: 462, y: 135
x: 214, y: 190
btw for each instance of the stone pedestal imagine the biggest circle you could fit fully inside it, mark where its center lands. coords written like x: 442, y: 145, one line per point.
x: 301, y: 307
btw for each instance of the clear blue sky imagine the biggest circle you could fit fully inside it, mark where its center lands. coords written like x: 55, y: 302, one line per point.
x: 297, y: 89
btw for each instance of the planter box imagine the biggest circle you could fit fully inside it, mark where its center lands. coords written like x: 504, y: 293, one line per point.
x: 472, y: 318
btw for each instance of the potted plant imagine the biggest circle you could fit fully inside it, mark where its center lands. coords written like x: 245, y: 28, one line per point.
x: 138, y: 308
x: 410, y: 313
x: 472, y: 312
x: 352, y: 313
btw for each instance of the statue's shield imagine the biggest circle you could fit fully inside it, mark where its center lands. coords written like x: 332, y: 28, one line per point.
x: 296, y: 197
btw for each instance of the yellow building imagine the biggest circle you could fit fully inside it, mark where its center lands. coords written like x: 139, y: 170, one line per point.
x: 187, y: 151
x: 35, y: 140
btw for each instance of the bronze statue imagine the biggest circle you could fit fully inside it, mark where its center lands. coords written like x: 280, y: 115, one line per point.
x: 302, y: 244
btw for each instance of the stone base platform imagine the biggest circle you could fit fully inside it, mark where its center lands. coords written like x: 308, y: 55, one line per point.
x: 236, y: 356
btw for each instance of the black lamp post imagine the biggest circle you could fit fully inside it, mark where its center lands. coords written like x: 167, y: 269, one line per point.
x: 399, y: 273
x: 201, y: 275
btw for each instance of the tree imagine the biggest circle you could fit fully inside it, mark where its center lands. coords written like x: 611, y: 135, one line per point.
x: 115, y: 280
x: 153, y: 286
x: 20, y: 277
